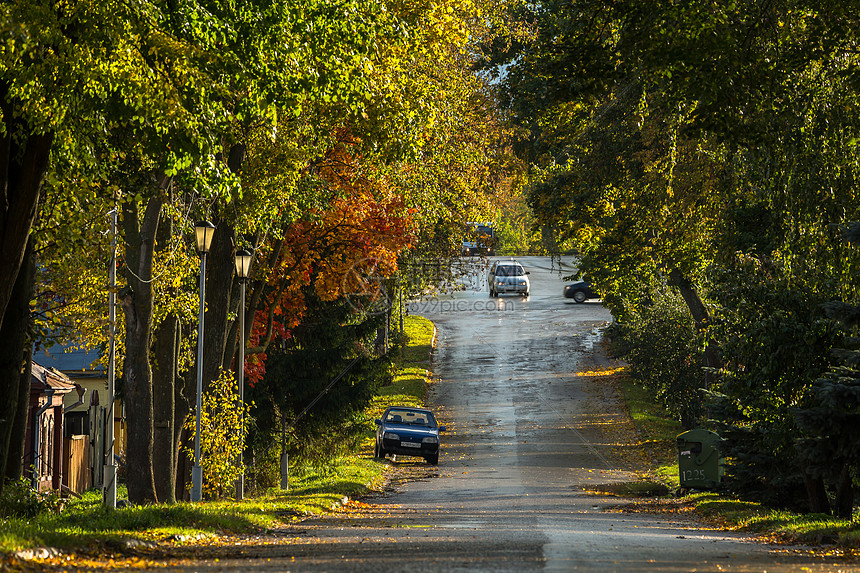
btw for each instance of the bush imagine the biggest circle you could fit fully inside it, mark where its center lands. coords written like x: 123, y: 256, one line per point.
x: 775, y: 342
x: 221, y: 438
x: 662, y: 347
x: 19, y: 499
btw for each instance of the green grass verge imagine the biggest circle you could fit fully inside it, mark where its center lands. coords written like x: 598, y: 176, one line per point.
x: 419, y: 333
x: 779, y: 524
x: 409, y: 383
x: 659, y: 431
x: 86, y: 523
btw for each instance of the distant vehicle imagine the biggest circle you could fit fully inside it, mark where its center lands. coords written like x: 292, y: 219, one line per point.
x: 507, y: 277
x: 481, y: 240
x: 580, y: 291
x: 407, y: 431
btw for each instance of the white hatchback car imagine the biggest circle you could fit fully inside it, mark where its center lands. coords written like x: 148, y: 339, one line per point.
x: 508, y: 277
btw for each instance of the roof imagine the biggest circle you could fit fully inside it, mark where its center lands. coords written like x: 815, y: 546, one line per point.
x: 71, y: 359
x: 49, y: 378
x: 411, y: 408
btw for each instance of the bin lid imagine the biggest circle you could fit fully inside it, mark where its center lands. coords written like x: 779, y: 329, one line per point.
x: 699, y: 435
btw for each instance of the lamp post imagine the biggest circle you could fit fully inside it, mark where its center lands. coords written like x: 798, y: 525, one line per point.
x: 243, y: 269
x: 204, y: 230
x: 109, y: 482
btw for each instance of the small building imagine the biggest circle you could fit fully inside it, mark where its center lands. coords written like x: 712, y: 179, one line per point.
x: 43, y: 447
x: 86, y: 415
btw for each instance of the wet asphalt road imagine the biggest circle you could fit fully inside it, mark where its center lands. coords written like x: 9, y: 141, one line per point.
x: 527, y: 439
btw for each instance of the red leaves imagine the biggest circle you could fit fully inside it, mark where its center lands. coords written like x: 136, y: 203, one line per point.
x: 341, y: 250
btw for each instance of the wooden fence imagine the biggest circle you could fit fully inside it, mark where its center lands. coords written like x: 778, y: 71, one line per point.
x: 78, y: 474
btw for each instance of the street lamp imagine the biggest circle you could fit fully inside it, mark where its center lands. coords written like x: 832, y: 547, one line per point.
x: 204, y: 230
x: 109, y: 482
x: 243, y: 268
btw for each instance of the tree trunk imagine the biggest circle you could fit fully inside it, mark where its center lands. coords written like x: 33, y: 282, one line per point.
x: 221, y: 269
x: 165, y: 353
x: 164, y: 407
x: 222, y: 301
x: 816, y: 493
x: 845, y: 493
x: 19, y: 430
x: 24, y: 159
x: 137, y: 303
x: 14, y: 368
x: 285, y: 458
x: 702, y: 318
x: 184, y: 391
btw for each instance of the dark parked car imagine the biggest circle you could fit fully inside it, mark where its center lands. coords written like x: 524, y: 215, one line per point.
x: 580, y: 291
x: 408, y: 431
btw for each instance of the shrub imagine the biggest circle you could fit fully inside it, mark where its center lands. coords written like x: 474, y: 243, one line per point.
x: 664, y: 352
x: 20, y: 499
x: 222, y: 437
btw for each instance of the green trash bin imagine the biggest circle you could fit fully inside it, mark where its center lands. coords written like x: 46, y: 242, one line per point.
x: 700, y: 464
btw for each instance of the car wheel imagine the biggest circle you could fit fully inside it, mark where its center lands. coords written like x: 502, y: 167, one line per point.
x: 378, y: 452
x: 433, y: 460
x: 579, y: 296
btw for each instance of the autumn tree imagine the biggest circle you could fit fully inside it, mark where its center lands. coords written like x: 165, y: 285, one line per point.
x: 267, y: 147
x: 70, y: 73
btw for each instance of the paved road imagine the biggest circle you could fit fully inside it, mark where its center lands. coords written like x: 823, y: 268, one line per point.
x: 527, y: 438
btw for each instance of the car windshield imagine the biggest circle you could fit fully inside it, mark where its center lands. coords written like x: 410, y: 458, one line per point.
x: 410, y: 417
x: 509, y: 271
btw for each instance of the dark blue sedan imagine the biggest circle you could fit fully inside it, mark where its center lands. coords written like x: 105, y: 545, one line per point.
x: 580, y: 291
x: 407, y: 431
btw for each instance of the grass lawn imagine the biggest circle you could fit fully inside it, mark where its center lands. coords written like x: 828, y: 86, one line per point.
x: 658, y: 431
x: 86, y: 523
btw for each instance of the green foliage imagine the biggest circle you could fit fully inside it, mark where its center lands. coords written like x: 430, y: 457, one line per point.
x: 830, y: 418
x: 223, y: 428
x: 832, y: 421
x: 660, y: 432
x: 148, y: 100
x: 517, y: 234
x: 19, y: 499
x: 331, y: 336
x: 775, y: 342
x: 716, y: 147
x: 664, y: 352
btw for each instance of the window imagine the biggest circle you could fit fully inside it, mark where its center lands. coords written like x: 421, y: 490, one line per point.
x: 509, y: 271
x: 410, y: 417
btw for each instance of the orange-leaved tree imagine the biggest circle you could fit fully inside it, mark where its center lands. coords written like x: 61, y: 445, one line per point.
x: 340, y: 249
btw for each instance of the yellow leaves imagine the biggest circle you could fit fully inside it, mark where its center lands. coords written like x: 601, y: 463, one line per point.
x: 223, y: 427
x: 602, y: 372
x: 83, y: 562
